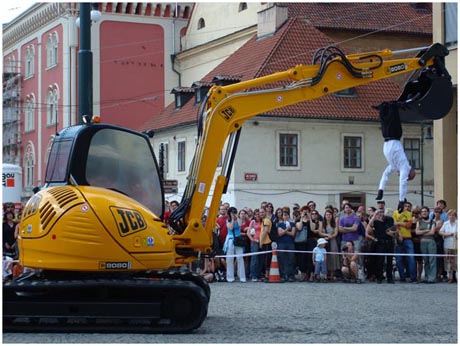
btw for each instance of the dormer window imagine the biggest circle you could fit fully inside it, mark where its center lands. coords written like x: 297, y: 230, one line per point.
x: 222, y: 80
x: 182, y: 96
x: 421, y: 6
x: 350, y: 92
x: 200, y: 91
x: 178, y: 102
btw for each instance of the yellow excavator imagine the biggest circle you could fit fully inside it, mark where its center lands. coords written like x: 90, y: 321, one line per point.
x: 104, y: 260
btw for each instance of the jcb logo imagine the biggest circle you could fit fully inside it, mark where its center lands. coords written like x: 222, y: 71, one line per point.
x: 228, y: 112
x: 128, y: 221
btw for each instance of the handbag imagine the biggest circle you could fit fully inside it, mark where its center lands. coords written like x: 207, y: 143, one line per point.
x: 238, y: 241
x: 301, y: 236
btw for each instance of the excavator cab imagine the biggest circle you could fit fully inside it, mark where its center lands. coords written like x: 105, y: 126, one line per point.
x: 110, y: 157
x: 429, y: 94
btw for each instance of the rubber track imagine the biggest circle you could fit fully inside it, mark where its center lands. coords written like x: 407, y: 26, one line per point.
x: 146, y: 303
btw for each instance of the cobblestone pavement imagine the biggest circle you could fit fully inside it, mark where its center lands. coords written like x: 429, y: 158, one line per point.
x: 307, y: 313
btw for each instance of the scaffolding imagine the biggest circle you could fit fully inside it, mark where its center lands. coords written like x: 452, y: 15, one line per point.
x: 11, y: 117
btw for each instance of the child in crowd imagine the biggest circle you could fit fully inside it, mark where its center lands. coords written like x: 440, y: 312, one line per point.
x: 319, y: 260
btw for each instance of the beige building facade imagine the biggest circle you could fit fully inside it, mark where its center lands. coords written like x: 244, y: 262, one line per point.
x: 320, y: 175
x: 445, y: 131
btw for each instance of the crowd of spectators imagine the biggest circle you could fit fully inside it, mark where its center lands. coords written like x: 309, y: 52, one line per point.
x: 373, y: 244
x: 11, y: 220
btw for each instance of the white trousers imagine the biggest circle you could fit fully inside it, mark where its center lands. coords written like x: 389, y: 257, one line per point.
x: 232, y: 250
x: 397, y: 162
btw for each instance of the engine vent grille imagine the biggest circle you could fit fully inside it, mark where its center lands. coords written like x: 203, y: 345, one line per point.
x: 63, y: 196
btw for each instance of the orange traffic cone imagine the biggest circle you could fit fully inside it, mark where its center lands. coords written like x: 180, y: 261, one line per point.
x: 274, y: 275
x: 17, y: 270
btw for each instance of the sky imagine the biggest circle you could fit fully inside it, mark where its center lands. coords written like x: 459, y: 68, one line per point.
x: 11, y: 9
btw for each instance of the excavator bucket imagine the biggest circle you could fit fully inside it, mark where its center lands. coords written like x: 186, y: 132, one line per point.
x: 429, y: 97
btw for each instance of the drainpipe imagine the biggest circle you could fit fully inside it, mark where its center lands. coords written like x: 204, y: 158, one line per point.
x: 173, y: 55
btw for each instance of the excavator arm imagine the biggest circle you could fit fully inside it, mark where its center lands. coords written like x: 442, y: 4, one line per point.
x: 226, y: 108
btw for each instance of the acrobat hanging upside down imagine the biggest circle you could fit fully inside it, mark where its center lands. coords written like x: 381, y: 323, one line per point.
x: 393, y: 150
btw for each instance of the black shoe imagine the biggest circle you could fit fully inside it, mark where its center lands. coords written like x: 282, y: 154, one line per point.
x: 390, y: 282
x: 379, y: 281
x: 401, y: 206
x: 379, y: 195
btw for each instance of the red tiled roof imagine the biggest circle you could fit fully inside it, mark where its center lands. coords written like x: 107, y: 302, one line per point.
x: 387, y: 17
x: 294, y: 43
x: 301, y: 40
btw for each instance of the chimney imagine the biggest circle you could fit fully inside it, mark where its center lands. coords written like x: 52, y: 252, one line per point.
x: 270, y: 20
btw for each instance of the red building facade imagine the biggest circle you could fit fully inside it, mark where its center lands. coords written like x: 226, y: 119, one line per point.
x: 132, y: 46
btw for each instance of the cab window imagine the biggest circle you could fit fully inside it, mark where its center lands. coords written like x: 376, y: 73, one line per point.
x: 124, y: 162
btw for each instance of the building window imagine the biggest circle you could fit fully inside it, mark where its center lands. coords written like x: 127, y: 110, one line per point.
x: 450, y: 24
x: 10, y: 64
x: 29, y: 165
x: 288, y: 154
x: 52, y: 50
x: 29, y: 122
x: 165, y: 157
x: 29, y: 59
x: 181, y: 156
x: 243, y: 6
x: 201, y: 24
x: 352, y: 152
x: 412, y: 150
x: 52, y: 107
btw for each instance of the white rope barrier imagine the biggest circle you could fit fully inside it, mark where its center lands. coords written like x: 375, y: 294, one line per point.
x: 338, y: 253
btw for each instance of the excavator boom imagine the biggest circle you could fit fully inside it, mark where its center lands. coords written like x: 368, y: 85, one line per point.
x: 428, y: 95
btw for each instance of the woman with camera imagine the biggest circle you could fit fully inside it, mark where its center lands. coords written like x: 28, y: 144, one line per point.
x: 232, y: 247
x: 255, y: 228
x: 350, y: 263
x: 330, y: 232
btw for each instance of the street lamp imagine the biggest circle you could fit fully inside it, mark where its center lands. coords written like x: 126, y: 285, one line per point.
x: 422, y: 143
x: 85, y: 60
